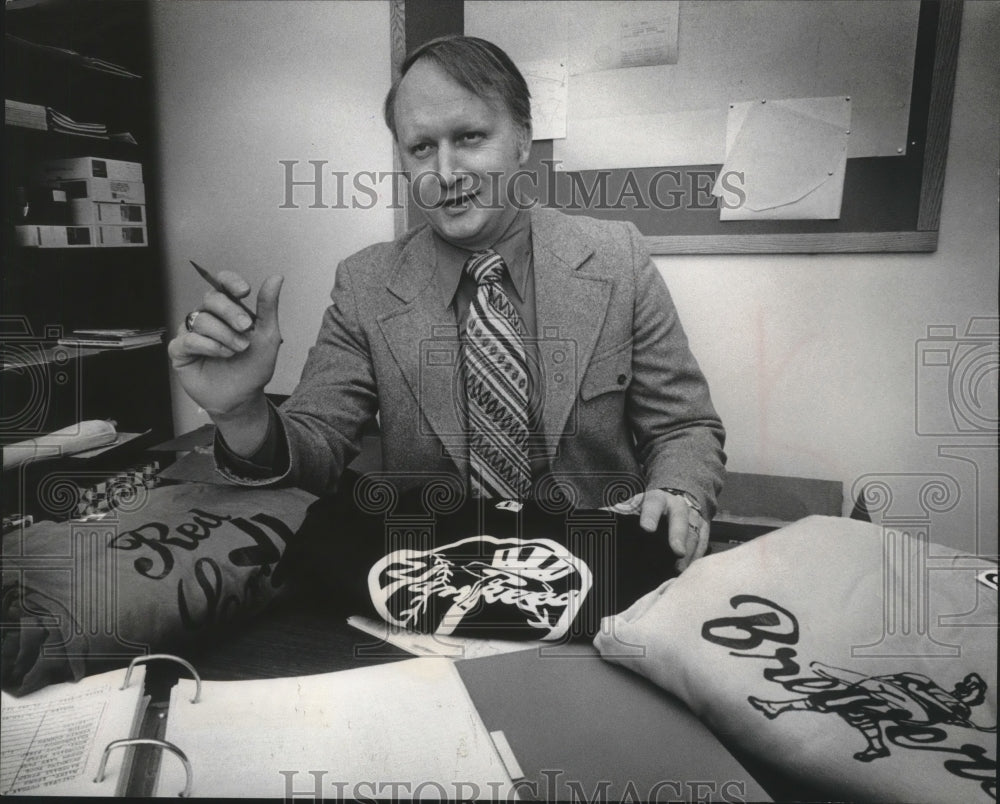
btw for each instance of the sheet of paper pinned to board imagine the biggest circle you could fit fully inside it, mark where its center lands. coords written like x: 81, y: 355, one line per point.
x: 788, y: 157
x: 598, y: 34
x: 534, y: 35
x: 547, y: 83
x: 613, y: 35
x: 642, y: 140
x: 727, y: 51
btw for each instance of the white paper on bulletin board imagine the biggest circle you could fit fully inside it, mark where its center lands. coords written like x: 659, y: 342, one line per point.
x: 728, y: 50
x: 615, y: 35
x: 534, y: 35
x: 642, y: 140
x: 788, y: 157
x: 596, y: 34
x: 547, y: 83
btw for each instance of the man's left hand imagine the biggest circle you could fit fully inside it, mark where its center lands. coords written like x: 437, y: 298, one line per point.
x: 687, y: 531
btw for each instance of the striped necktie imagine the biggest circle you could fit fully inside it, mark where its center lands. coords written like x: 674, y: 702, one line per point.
x: 496, y: 386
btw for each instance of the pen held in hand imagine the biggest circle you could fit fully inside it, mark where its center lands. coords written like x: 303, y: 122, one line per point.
x: 217, y: 285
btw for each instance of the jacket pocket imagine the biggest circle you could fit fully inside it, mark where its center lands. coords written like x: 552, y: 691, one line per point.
x: 607, y: 373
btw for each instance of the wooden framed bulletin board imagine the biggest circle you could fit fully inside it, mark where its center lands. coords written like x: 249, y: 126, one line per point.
x: 890, y: 201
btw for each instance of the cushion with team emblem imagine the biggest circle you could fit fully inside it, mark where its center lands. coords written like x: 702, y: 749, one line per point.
x: 858, y: 659
x: 160, y: 569
x: 435, y: 561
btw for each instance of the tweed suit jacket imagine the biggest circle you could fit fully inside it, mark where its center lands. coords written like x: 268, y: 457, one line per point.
x: 624, y: 404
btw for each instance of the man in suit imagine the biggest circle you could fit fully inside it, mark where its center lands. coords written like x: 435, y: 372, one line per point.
x: 605, y: 394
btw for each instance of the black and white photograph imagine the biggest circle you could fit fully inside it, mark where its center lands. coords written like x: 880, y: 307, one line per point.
x: 523, y: 400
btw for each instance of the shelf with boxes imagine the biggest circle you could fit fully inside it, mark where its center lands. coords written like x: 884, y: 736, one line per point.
x: 80, y: 242
x: 83, y: 202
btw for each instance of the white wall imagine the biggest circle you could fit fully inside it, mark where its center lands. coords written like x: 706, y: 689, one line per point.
x: 240, y: 86
x: 812, y: 359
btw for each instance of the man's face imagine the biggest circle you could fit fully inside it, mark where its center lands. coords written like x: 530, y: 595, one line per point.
x: 460, y: 151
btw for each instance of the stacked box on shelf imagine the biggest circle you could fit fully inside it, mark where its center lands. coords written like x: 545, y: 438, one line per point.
x: 88, y: 167
x: 55, y: 236
x: 105, y: 196
x: 117, y: 236
x: 43, y: 205
x: 88, y: 211
x: 132, y: 192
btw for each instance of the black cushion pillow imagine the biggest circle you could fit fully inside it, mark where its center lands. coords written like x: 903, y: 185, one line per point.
x: 435, y: 561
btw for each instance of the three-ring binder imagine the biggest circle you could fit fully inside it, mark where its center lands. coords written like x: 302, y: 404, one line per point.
x: 63, y: 739
x: 152, y: 741
x: 188, y: 772
x: 167, y: 657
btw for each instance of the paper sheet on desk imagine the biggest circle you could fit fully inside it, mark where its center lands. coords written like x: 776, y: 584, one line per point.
x: 121, y: 438
x: 788, y: 157
x: 450, y: 647
x: 402, y: 730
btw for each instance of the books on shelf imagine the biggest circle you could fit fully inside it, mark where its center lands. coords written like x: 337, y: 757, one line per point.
x: 25, y: 115
x: 64, y: 124
x: 113, y: 338
x: 47, y: 118
x: 87, y: 62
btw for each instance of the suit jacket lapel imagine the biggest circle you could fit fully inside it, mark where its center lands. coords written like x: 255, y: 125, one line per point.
x: 423, y: 338
x: 570, y: 307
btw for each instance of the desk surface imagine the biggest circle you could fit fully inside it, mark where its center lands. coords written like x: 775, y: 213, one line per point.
x: 293, y: 639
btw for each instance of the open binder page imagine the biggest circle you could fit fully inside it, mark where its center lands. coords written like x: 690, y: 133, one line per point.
x: 53, y: 739
x: 402, y: 730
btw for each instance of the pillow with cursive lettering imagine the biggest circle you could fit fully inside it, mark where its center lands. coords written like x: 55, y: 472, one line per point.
x: 168, y: 566
x: 858, y: 660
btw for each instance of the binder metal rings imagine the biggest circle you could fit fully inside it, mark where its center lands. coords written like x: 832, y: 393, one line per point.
x: 153, y: 656
x: 188, y: 772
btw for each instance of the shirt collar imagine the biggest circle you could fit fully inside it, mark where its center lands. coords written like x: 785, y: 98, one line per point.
x: 514, y: 246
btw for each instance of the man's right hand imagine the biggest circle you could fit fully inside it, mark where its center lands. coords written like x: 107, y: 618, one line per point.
x: 224, y: 362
